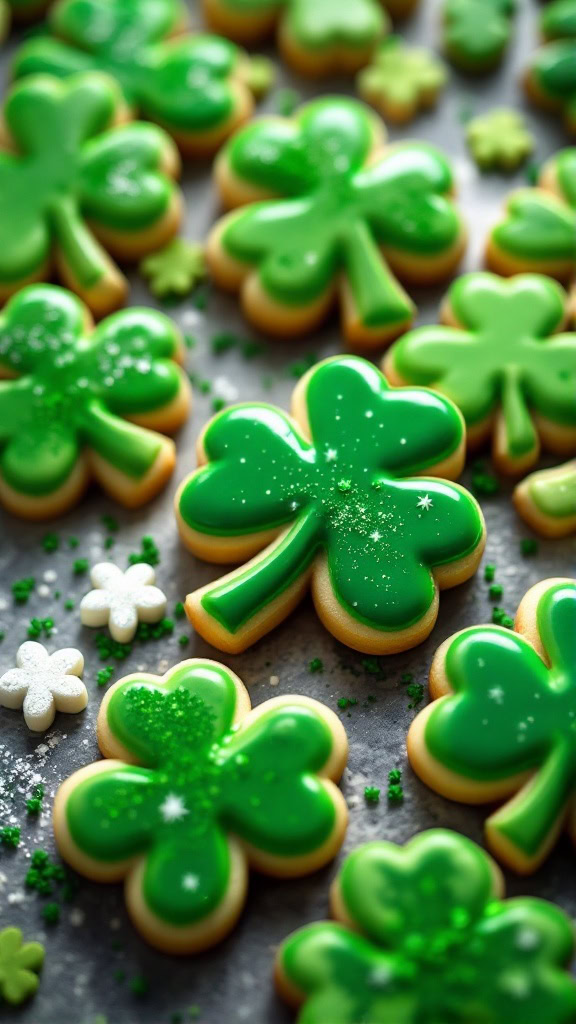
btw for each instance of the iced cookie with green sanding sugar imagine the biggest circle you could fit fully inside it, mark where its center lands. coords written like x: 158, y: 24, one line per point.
x: 401, y: 81
x: 349, y: 498
x: 550, y: 78
x: 77, y: 188
x: 197, y: 87
x: 422, y: 932
x: 316, y: 38
x: 78, y: 404
x: 195, y: 789
x: 500, y: 359
x: 476, y: 33
x: 546, y: 500
x: 538, y: 231
x: 326, y: 214
x: 502, y: 724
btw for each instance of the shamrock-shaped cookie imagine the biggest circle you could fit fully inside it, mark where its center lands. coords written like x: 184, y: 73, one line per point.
x: 502, y: 364
x: 43, y: 684
x: 120, y: 600
x: 401, y: 81
x: 176, y: 269
x: 85, y: 405
x: 317, y: 37
x: 196, y: 87
x: 499, y: 139
x: 551, y: 75
x: 547, y: 500
x: 19, y: 966
x: 337, y: 217
x: 70, y: 188
x: 503, y: 724
x: 339, y: 499
x: 476, y: 33
x: 422, y: 933
x: 200, y: 788
x: 538, y: 232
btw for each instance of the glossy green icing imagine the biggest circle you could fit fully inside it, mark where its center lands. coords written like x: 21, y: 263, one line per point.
x: 71, y: 391
x: 68, y: 170
x: 538, y: 227
x: 199, y: 780
x: 510, y: 713
x: 337, y: 211
x: 558, y: 19
x: 350, y: 492
x: 320, y: 25
x: 476, y: 33
x: 553, y: 66
x: 553, y: 491
x: 185, y: 83
x: 428, y: 941
x: 503, y: 355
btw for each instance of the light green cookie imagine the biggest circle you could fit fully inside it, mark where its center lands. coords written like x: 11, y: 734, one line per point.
x: 176, y: 269
x: 401, y: 81
x: 499, y: 140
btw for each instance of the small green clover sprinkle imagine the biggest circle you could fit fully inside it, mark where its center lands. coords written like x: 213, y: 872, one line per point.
x: 174, y: 270
x: 104, y: 675
x: 501, y: 618
x: 21, y: 589
x: 50, y: 542
x: 372, y: 795
x: 316, y: 665
x: 19, y: 965
x: 51, y: 913
x: 10, y: 835
x: 496, y: 590
x: 489, y: 573
x: 529, y: 546
x: 499, y: 140
x: 148, y: 553
x: 395, y: 792
x: 80, y: 566
x: 416, y: 693
x: 484, y: 482
x: 34, y: 802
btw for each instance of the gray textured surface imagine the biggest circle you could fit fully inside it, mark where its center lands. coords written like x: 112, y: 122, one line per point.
x: 94, y: 939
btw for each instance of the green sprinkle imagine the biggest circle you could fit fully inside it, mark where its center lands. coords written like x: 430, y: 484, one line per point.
x: 111, y: 523
x: 529, y: 546
x: 51, y: 913
x: 179, y: 610
x: 109, y: 543
x: 372, y: 794
x: 139, y: 985
x: 10, y: 835
x: 148, y: 553
x: 109, y: 648
x: 501, y: 618
x: 347, y: 702
x: 69, y: 604
x: 218, y: 404
x: 316, y: 665
x: 57, y: 595
x: 251, y: 349
x: 183, y: 640
x: 395, y: 792
x: 496, y: 591
x: 50, y: 542
x: 21, y: 589
x: 301, y: 366
x: 406, y: 677
x: 416, y: 693
x: 223, y: 342
x: 372, y: 666
x: 483, y: 481
x: 286, y: 101
x: 34, y: 802
x: 104, y: 675
x: 73, y: 542
x: 38, y: 626
x: 489, y: 573
x: 344, y: 486
x: 395, y: 775
x: 80, y: 566
x: 156, y: 631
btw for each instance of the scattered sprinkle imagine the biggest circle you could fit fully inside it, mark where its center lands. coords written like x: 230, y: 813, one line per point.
x: 372, y: 794
x: 50, y: 542
x: 529, y: 546
x: 80, y: 566
x: 38, y: 626
x: 21, y: 589
x: 51, y: 913
x: 104, y: 675
x: 316, y: 665
x: 489, y: 573
x: 496, y: 590
x: 501, y: 618
x: 34, y: 802
x: 395, y: 792
x: 347, y: 702
x: 483, y: 481
x: 148, y: 553
x: 10, y: 835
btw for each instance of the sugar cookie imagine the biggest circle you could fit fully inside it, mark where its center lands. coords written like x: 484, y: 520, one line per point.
x: 75, y: 190
x: 19, y: 966
x: 85, y: 405
x: 43, y: 684
x: 401, y: 81
x: 338, y: 218
x: 332, y: 500
x: 196, y: 87
x: 502, y: 724
x: 174, y: 270
x: 501, y: 362
x: 499, y: 140
x: 539, y: 230
x: 550, y: 78
x: 120, y: 600
x: 423, y: 932
x: 547, y: 500
x: 476, y: 33
x: 202, y: 787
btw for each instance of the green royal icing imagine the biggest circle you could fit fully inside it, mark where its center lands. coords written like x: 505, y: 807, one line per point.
x: 553, y: 66
x: 553, y: 491
x: 510, y: 713
x: 427, y: 941
x: 558, y: 19
x: 69, y: 171
x: 321, y: 25
x: 185, y: 83
x: 350, y: 492
x: 71, y: 391
x: 199, y: 780
x: 504, y: 355
x: 339, y: 208
x: 476, y: 33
